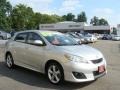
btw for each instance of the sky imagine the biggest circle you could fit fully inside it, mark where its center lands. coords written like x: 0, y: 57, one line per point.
x: 108, y: 9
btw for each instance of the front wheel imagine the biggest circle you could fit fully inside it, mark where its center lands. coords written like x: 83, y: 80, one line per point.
x: 55, y: 73
x: 9, y: 61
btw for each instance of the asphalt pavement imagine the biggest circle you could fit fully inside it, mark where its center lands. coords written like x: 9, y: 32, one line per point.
x: 24, y: 79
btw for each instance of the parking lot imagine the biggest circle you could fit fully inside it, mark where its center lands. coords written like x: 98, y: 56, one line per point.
x: 23, y: 79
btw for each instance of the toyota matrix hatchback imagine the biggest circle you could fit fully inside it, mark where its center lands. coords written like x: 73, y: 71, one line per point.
x: 58, y: 56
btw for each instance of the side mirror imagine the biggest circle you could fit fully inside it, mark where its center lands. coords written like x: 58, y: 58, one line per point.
x: 38, y: 42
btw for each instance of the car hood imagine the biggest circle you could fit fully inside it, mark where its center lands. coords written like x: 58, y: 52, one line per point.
x: 84, y: 51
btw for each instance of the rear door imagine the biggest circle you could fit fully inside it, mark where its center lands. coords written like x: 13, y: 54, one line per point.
x: 19, y: 48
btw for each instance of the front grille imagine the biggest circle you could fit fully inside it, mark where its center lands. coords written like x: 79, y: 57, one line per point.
x: 97, y: 61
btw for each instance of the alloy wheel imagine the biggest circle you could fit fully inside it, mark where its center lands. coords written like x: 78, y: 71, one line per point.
x: 54, y: 74
x: 9, y: 61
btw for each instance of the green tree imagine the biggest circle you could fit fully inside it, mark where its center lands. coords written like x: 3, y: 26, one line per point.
x: 104, y: 22
x: 22, y: 17
x: 57, y: 18
x: 64, y: 17
x: 94, y: 21
x: 30, y: 22
x: 37, y: 19
x: 82, y: 17
x: 68, y: 17
x: 46, y: 19
x: 5, y: 14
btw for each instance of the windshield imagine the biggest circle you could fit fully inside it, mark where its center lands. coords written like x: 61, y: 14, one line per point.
x: 88, y: 35
x: 74, y: 35
x: 69, y: 35
x: 58, y: 39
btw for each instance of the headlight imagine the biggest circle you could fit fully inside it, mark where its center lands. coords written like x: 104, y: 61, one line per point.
x: 76, y: 59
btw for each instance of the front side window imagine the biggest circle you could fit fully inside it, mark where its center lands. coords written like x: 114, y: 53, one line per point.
x: 32, y: 37
x: 58, y: 39
x: 21, y: 37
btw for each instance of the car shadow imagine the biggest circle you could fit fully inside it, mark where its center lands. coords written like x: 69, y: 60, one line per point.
x: 33, y: 78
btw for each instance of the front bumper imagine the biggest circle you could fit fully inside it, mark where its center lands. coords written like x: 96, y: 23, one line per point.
x: 90, y: 40
x: 88, y: 72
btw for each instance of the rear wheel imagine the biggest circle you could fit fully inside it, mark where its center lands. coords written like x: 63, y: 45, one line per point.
x: 1, y: 38
x: 55, y: 73
x: 9, y: 61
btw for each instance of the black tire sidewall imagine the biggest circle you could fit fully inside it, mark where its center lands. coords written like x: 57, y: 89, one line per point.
x: 1, y: 38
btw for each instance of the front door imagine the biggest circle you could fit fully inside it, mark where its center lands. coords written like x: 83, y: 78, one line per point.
x: 19, y: 51
x: 35, y: 54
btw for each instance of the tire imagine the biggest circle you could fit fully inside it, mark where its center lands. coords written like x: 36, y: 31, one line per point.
x: 1, y: 38
x: 55, y: 73
x: 9, y: 61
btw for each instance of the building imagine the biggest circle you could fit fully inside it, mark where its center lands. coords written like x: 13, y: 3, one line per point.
x: 69, y: 26
x: 118, y: 29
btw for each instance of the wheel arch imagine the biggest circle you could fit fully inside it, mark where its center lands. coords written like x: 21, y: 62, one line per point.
x: 52, y: 61
x: 1, y: 37
x: 8, y: 52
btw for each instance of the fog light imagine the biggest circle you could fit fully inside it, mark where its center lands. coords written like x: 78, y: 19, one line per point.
x: 79, y: 75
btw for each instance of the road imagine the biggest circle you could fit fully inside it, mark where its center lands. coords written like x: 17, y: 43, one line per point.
x: 23, y: 79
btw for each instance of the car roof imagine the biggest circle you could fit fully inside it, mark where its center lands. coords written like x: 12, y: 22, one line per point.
x: 36, y: 31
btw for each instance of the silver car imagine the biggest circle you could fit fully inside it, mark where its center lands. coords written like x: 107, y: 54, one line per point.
x: 116, y: 38
x: 56, y: 55
x: 4, y: 35
x: 90, y: 38
x: 75, y: 38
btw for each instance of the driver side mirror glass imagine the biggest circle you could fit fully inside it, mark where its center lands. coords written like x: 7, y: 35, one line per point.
x: 38, y: 43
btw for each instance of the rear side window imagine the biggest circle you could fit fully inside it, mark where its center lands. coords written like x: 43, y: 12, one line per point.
x: 21, y: 37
